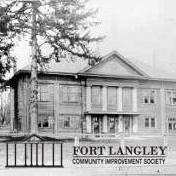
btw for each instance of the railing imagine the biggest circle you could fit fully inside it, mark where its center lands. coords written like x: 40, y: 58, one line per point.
x: 102, y: 136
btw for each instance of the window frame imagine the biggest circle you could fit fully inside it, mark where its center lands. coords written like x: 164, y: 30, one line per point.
x: 172, y: 124
x: 40, y: 92
x: 169, y: 99
x: 93, y: 96
x: 108, y: 89
x: 72, y: 125
x: 147, y: 95
x: 150, y: 119
x: 69, y: 93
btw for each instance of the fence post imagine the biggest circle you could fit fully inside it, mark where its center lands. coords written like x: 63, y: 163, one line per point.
x: 15, y: 153
x: 53, y: 154
x: 61, y: 155
x: 42, y: 154
x: 7, y: 155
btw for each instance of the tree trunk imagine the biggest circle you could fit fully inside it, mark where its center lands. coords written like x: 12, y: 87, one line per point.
x: 34, y: 87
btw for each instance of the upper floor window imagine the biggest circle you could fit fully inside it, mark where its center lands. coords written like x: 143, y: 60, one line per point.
x: 71, y: 94
x: 44, y: 92
x: 112, y: 96
x: 150, y: 122
x: 96, y: 95
x: 171, y: 97
x: 149, y: 96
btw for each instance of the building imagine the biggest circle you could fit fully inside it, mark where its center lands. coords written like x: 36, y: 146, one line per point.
x: 110, y: 98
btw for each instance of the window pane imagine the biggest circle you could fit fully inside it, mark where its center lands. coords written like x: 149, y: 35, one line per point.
x: 153, y: 122
x: 149, y: 96
x: 44, y: 92
x: 146, y: 122
x: 170, y: 126
x: 96, y: 95
x: 112, y: 96
x: 67, y: 122
x: 71, y: 94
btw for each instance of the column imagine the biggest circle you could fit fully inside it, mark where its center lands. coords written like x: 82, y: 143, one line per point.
x: 134, y: 99
x: 88, y: 123
x: 56, y: 106
x: 88, y: 98
x: 104, y: 98
x: 119, y: 98
x: 105, y: 124
x: 120, y: 125
x: 135, y: 124
x: 163, y: 112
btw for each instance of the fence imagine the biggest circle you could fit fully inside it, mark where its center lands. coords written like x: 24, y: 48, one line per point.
x: 34, y: 154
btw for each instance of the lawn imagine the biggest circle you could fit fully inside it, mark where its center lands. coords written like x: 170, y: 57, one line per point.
x: 70, y: 168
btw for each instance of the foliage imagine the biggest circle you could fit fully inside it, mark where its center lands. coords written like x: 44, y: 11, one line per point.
x: 62, y: 28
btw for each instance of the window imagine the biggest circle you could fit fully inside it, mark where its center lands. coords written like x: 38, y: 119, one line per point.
x: 44, y: 92
x: 150, y: 122
x: 96, y: 95
x: 67, y: 122
x: 45, y: 121
x: 171, y: 97
x: 70, y: 121
x: 149, y: 96
x: 146, y: 122
x: 112, y: 96
x: 172, y: 124
x: 71, y: 94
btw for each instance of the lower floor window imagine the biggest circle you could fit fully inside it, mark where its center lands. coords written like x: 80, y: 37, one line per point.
x: 172, y: 124
x: 150, y: 122
x: 70, y: 121
x: 45, y: 121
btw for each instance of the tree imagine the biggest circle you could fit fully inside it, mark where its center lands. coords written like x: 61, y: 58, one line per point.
x: 60, y: 25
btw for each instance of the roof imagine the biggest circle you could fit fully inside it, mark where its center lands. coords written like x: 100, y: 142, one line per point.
x: 80, y: 66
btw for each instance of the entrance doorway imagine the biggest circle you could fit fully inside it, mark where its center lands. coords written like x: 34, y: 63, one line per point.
x: 96, y: 124
x: 127, y: 124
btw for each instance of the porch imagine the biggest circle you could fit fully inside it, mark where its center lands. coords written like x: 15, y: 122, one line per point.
x: 111, y: 126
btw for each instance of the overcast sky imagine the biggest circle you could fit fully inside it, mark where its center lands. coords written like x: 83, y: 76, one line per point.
x: 140, y: 29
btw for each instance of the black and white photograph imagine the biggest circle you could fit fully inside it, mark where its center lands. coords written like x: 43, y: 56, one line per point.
x: 87, y: 87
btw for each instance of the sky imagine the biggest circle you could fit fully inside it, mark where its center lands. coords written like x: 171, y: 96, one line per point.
x: 141, y: 29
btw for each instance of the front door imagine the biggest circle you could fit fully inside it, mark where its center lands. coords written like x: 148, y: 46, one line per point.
x: 126, y: 124
x: 96, y: 124
x: 111, y: 125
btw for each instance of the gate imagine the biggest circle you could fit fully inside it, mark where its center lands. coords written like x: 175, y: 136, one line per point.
x: 34, y: 151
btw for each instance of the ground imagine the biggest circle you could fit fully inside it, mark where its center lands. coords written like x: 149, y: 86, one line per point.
x: 86, y: 170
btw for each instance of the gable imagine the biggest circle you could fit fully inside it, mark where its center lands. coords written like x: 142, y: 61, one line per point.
x: 116, y: 66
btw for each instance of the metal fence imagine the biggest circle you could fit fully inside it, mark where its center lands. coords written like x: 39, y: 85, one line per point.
x: 34, y: 154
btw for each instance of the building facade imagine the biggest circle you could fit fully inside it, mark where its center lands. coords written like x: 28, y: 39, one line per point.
x: 110, y: 98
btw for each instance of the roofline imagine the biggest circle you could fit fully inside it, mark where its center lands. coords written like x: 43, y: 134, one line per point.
x: 93, y: 75
x: 124, y: 59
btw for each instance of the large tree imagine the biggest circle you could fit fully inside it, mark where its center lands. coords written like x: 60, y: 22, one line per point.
x: 61, y: 26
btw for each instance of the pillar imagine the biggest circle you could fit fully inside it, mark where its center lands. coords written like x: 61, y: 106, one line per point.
x: 163, y: 112
x: 119, y: 98
x: 134, y: 99
x: 135, y: 124
x: 88, y: 123
x: 105, y: 124
x: 88, y: 98
x: 104, y: 98
x: 120, y: 124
